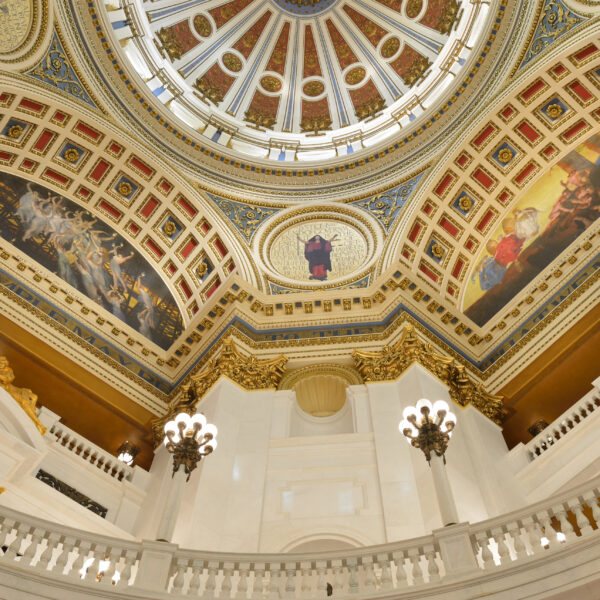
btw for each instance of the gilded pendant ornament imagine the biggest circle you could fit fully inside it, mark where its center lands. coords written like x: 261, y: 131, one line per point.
x: 25, y: 397
x: 247, y: 371
x: 392, y: 361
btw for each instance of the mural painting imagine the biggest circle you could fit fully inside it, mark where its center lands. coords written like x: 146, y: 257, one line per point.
x: 547, y: 219
x: 318, y: 251
x: 88, y: 255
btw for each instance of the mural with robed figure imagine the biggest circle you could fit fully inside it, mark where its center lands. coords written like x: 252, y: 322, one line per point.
x: 88, y: 255
x: 546, y: 220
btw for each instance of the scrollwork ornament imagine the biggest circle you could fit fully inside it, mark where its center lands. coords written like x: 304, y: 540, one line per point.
x: 392, y: 361
x: 246, y: 371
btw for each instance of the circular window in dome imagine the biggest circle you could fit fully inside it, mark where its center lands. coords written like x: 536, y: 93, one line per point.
x: 318, y: 251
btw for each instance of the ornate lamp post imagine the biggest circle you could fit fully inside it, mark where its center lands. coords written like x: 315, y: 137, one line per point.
x: 188, y: 439
x: 429, y: 427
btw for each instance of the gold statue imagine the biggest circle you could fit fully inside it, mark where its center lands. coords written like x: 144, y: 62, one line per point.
x: 25, y: 397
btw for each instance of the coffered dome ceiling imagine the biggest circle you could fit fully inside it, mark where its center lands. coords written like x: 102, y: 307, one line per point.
x: 312, y: 75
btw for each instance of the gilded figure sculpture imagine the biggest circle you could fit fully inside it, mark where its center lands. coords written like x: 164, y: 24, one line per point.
x: 25, y: 397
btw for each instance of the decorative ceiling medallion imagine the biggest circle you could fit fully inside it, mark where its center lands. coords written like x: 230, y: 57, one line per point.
x: 232, y: 62
x: 329, y: 246
x: 413, y: 8
x: 390, y: 47
x: 355, y: 76
x: 202, y: 26
x: 270, y: 83
x: 313, y: 88
x: 15, y: 23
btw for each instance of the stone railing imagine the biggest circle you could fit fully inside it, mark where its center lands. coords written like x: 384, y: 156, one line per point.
x: 560, y: 427
x: 45, y: 549
x: 77, y: 444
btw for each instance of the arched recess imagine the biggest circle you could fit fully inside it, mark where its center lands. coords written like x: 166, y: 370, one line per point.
x: 342, y: 538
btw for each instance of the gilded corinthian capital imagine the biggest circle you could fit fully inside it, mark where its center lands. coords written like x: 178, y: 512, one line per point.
x: 25, y: 397
x: 392, y: 361
x: 247, y: 371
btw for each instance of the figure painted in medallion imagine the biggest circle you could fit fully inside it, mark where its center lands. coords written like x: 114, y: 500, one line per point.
x: 317, y: 251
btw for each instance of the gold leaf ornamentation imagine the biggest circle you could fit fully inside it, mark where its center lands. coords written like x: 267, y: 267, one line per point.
x: 355, y: 76
x: 15, y: 131
x: 270, y: 83
x: 25, y: 397
x: 202, y: 26
x: 392, y: 361
x: 124, y: 188
x: 554, y: 111
x: 390, y: 47
x: 313, y: 88
x: 72, y: 155
x: 232, y: 62
x: 505, y: 155
x: 465, y: 203
x: 246, y: 371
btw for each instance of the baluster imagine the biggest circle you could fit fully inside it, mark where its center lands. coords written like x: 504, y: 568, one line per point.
x: 565, y: 527
x: 181, y: 565
x: 242, y: 588
x: 401, y: 576
x: 211, y: 582
x: 369, y: 579
x: 83, y: 549
x: 273, y: 580
x: 591, y: 499
x: 36, y: 538
x: 129, y: 559
x: 515, y: 533
x: 62, y: 560
x: 258, y: 584
x: 306, y: 572
x: 417, y: 573
x: 503, y: 551
x: 336, y: 582
x: 321, y: 582
x: 96, y: 568
x: 534, y: 534
x: 290, y: 581
x: 52, y: 540
x: 549, y: 531
x: 113, y: 557
x: 15, y: 546
x: 383, y: 560
x: 6, y: 527
x: 583, y: 523
x: 433, y: 570
x: 226, y: 583
x: 352, y: 566
x: 486, y: 554
x: 197, y: 567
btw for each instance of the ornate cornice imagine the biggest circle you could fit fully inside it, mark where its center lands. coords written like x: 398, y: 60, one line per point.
x: 392, y: 361
x: 25, y: 397
x: 246, y: 371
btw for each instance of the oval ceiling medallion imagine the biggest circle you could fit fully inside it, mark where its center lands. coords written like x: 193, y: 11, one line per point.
x: 15, y: 22
x: 355, y: 76
x: 390, y: 47
x: 313, y: 88
x: 270, y: 83
x: 232, y: 62
x: 202, y: 26
x: 413, y: 8
x: 318, y: 250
